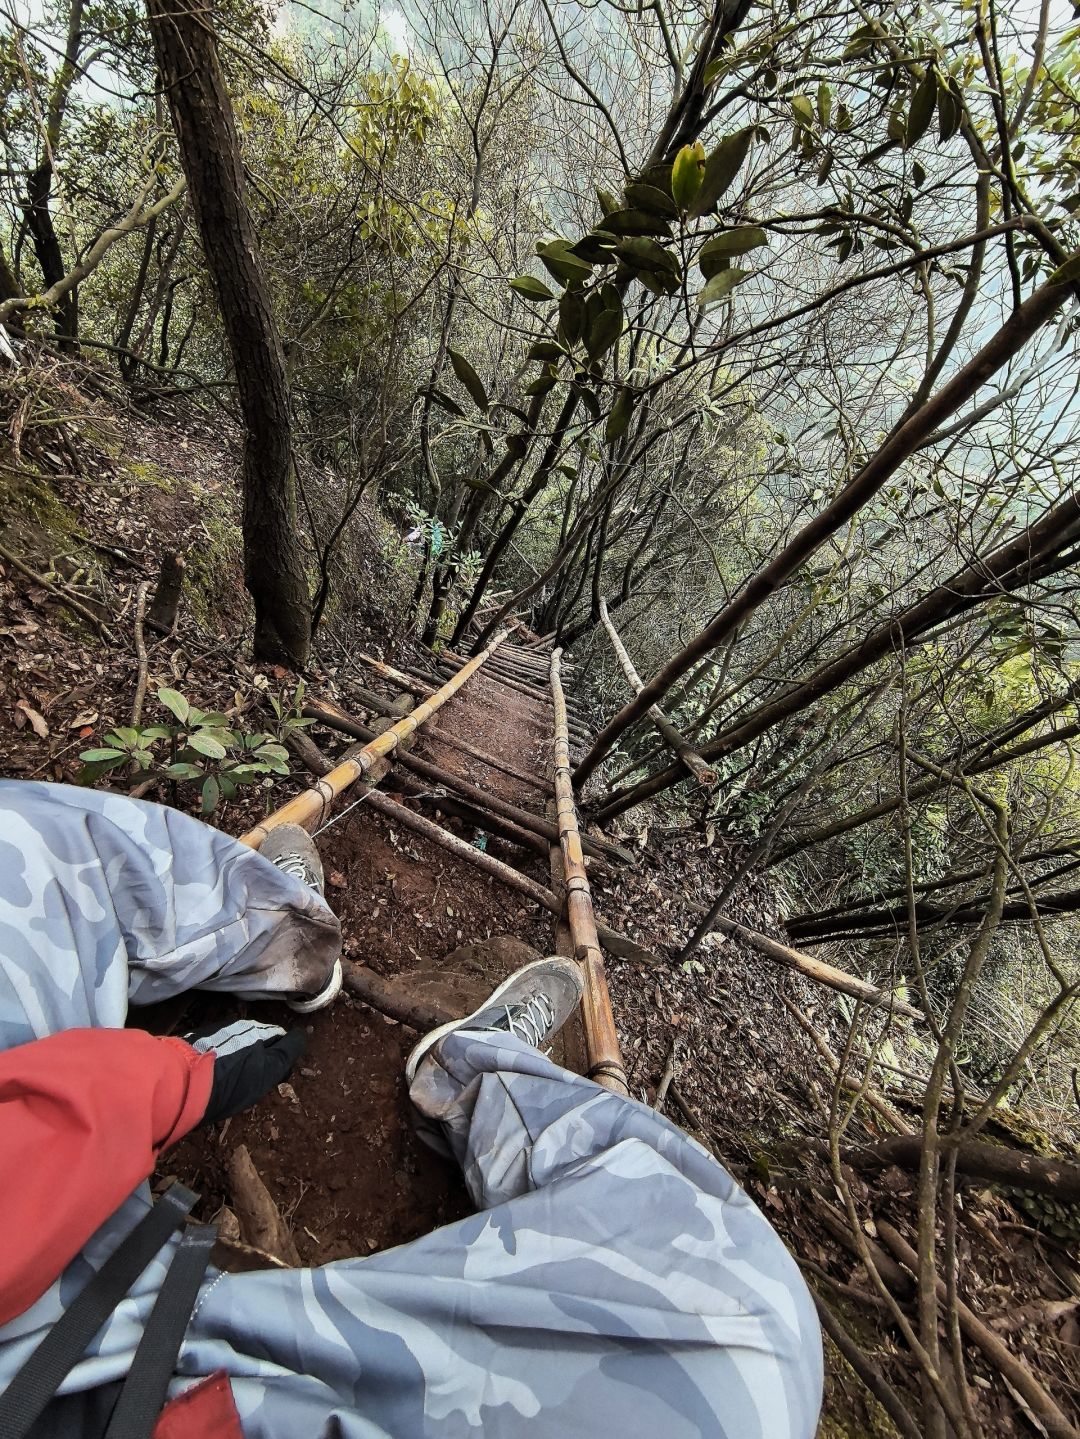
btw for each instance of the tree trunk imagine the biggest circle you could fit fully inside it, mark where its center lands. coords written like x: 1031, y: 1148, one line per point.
x: 186, y: 49
x: 1008, y: 341
x: 1029, y: 555
x: 518, y: 513
x: 888, y: 921
x: 1059, y: 1178
x: 10, y: 288
x: 47, y: 251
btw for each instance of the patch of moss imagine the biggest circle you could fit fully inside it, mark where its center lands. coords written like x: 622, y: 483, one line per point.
x: 850, y: 1411
x: 147, y: 473
x: 213, y: 560
x: 31, y: 497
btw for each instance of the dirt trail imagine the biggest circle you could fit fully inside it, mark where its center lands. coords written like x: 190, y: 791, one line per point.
x: 337, y: 1150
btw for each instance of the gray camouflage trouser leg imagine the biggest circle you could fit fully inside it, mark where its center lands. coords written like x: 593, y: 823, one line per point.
x: 617, y: 1278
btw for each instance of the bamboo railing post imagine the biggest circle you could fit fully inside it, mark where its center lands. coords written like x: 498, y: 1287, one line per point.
x: 308, y: 808
x: 604, y: 1056
x: 675, y: 740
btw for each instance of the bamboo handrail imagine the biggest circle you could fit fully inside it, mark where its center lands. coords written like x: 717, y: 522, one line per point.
x: 675, y: 740
x: 603, y: 1054
x: 308, y: 808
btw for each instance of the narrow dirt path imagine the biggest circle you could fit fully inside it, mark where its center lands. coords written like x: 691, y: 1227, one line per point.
x: 337, y: 1148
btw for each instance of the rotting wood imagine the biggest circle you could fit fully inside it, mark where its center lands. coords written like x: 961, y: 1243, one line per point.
x: 309, y: 754
x: 364, y: 984
x: 593, y: 845
x: 605, y: 1064
x: 313, y: 759
x: 232, y: 1254
x: 519, y: 663
x: 308, y: 808
x: 817, y: 970
x: 618, y: 944
x: 1042, y: 1406
x: 534, y: 680
x: 520, y: 688
x: 669, y: 733
x: 167, y: 595
x: 981, y: 1160
x: 261, y: 1224
x: 668, y: 1076
x: 490, y: 823
x: 533, y: 677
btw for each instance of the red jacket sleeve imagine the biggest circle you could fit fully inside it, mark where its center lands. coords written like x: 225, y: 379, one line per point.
x: 83, y: 1117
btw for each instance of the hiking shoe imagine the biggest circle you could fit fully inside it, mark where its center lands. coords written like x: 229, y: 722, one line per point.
x: 292, y: 850
x: 534, y: 1004
x: 309, y: 1003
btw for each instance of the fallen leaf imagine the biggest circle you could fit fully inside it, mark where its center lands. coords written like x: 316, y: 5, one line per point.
x: 37, y: 721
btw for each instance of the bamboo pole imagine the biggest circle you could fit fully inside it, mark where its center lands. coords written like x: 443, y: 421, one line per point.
x: 388, y: 672
x: 332, y: 716
x: 612, y: 940
x: 817, y: 970
x: 308, y: 808
x: 675, y: 740
x: 604, y: 1056
x: 451, y: 741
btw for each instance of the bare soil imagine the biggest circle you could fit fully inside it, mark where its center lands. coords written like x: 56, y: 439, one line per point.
x: 337, y: 1149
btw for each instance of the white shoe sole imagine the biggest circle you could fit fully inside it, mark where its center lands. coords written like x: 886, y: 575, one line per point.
x: 325, y: 996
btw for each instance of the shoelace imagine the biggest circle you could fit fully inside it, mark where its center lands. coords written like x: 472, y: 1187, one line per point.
x: 532, y: 1020
x: 293, y: 865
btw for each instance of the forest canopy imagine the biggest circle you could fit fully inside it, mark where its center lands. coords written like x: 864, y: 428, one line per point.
x: 741, y: 335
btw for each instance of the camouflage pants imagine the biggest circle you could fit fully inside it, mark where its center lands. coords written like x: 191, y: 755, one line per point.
x: 615, y: 1277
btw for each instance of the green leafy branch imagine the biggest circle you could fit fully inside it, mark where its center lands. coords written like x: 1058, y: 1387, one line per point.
x: 203, y: 748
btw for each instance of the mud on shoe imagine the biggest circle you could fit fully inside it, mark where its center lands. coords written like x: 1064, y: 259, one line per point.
x: 292, y: 850
x: 534, y: 1003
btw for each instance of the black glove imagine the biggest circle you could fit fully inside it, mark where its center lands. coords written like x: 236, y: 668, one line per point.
x: 251, y: 1059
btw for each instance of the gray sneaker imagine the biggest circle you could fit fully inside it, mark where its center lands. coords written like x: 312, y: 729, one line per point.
x: 534, y: 1003
x: 292, y: 850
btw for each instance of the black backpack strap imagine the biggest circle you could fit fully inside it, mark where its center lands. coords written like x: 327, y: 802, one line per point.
x: 143, y: 1395
x: 23, y: 1401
